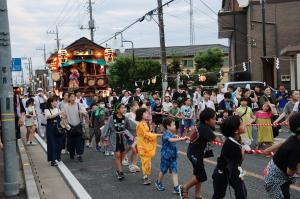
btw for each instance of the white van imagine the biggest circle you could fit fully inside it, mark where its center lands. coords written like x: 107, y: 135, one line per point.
x: 245, y: 84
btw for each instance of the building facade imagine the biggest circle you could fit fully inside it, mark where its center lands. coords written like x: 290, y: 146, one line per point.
x: 244, y: 29
x: 185, y: 55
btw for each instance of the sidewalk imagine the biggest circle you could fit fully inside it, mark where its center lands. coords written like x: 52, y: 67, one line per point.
x: 49, y: 181
x: 22, y: 194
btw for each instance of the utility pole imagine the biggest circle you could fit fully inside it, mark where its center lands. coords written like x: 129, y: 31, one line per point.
x: 45, y: 55
x: 11, y: 166
x: 91, y: 22
x: 263, y: 12
x: 192, y: 28
x: 57, y: 37
x: 163, y: 56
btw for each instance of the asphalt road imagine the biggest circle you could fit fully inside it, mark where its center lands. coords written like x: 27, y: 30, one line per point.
x: 96, y: 174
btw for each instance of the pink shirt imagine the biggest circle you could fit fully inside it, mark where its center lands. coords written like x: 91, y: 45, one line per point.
x: 263, y: 115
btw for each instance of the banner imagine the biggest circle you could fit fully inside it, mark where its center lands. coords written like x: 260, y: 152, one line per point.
x: 16, y: 64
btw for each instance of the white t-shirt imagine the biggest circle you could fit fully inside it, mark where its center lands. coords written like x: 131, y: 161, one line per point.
x: 167, y: 106
x: 207, y: 104
x: 37, y: 101
x: 295, y: 109
x: 220, y: 97
x: 197, y: 99
x: 49, y: 114
x: 131, y: 116
x: 125, y: 100
x: 187, y: 111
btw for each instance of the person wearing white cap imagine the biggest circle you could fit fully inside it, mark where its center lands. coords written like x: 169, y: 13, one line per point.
x: 167, y: 104
x: 40, y: 104
x: 24, y: 100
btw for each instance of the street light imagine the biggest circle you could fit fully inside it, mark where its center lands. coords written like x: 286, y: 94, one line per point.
x: 122, y: 48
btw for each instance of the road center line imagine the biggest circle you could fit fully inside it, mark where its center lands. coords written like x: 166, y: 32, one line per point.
x: 249, y: 173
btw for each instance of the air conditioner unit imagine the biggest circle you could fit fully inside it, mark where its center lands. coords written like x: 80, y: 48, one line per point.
x: 243, y: 3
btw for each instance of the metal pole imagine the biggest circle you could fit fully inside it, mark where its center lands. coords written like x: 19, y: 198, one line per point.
x: 57, y: 39
x: 264, y: 27
x: 91, y: 22
x: 163, y: 57
x: 11, y: 166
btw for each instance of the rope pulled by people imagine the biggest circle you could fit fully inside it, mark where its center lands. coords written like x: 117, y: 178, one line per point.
x: 252, y: 151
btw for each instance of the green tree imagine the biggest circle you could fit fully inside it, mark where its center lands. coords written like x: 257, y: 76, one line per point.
x: 212, y: 59
x: 173, y: 69
x: 124, y: 73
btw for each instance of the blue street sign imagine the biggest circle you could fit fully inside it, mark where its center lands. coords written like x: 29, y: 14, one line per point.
x: 16, y: 64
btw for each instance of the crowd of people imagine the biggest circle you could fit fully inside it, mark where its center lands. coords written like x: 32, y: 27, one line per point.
x: 129, y: 125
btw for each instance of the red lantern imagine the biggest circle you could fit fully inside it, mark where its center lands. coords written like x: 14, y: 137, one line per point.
x: 202, y: 78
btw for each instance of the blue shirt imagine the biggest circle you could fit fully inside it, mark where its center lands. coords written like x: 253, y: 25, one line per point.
x: 168, y: 149
x: 284, y: 100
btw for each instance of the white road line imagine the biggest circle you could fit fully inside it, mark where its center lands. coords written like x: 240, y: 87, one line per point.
x: 75, y: 185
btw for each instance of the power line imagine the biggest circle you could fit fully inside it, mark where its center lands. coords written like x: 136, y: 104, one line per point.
x: 59, y: 15
x: 71, y: 12
x: 150, y: 13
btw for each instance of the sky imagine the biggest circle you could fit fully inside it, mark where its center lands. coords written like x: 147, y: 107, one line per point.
x: 30, y: 21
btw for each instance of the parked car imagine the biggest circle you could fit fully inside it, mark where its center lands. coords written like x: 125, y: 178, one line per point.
x: 246, y: 84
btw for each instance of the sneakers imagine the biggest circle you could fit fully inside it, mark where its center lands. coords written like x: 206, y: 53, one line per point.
x: 53, y: 164
x: 28, y: 143
x: 146, y: 181
x: 176, y: 190
x: 182, y: 194
x: 159, y: 186
x: 87, y: 144
x: 125, y: 161
x: 107, y: 153
x: 98, y: 148
x: 131, y: 169
x: 111, y: 153
x: 80, y: 159
x: 120, y: 175
x: 63, y: 151
x: 137, y: 169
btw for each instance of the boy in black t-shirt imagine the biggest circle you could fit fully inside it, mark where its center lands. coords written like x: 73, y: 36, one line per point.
x: 283, y: 169
x: 195, y: 152
x: 228, y: 169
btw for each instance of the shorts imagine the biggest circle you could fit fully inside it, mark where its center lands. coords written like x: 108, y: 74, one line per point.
x: 168, y: 165
x: 198, y: 168
x: 177, y: 124
x: 157, y: 119
x: 120, y: 145
x: 188, y: 123
x: 131, y: 143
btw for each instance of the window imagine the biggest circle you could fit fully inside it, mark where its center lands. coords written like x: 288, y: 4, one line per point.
x: 188, y: 63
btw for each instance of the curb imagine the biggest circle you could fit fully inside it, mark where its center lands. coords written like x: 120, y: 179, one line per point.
x: 74, y: 184
x: 30, y: 184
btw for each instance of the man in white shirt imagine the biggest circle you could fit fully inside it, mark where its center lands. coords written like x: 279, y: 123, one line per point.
x: 139, y: 94
x: 125, y: 99
x: 220, y: 94
x: 207, y: 103
x: 81, y: 100
x: 40, y: 101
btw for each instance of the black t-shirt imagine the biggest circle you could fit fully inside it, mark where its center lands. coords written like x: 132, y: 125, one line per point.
x: 199, y: 140
x: 157, y: 108
x: 288, y: 155
x: 180, y: 97
x: 231, y: 155
x: 119, y: 123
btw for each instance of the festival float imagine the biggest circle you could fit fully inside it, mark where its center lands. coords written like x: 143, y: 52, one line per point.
x: 83, y: 65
